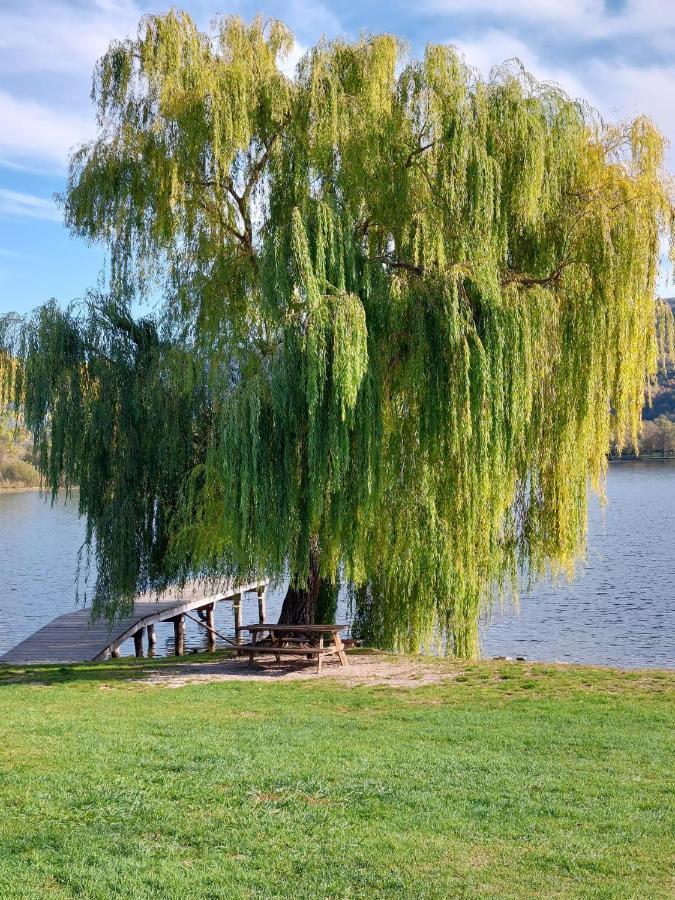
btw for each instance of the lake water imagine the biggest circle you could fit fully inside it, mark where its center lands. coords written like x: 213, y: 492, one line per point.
x: 619, y: 610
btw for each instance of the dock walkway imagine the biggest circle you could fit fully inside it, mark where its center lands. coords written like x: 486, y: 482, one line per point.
x: 74, y: 637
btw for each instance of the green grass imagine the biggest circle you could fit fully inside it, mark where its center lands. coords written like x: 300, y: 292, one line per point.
x: 508, y: 781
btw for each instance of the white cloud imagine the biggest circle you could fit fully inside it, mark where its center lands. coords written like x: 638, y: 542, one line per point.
x: 15, y: 204
x: 62, y: 38
x: 31, y: 131
x: 619, y: 91
x: 630, y: 90
x: 495, y: 47
x: 288, y: 64
x: 524, y: 10
x: 47, y: 54
x: 59, y: 46
x: 588, y: 17
x: 59, y: 43
x: 309, y: 18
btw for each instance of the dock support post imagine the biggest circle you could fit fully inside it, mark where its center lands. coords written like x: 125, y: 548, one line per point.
x: 262, y: 589
x: 211, y: 624
x: 152, y: 640
x: 236, y: 609
x: 138, y: 642
x: 179, y: 635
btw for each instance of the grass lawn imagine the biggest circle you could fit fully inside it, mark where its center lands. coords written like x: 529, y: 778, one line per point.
x: 508, y: 780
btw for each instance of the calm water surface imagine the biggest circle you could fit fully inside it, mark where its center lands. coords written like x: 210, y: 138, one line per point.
x: 619, y: 610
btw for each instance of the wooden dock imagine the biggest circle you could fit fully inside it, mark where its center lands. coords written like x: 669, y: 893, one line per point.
x: 74, y: 637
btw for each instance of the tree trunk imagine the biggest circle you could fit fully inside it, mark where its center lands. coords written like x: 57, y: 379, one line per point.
x: 299, y: 607
x: 326, y: 604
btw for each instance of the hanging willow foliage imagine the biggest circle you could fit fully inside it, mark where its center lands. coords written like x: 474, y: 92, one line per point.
x: 404, y: 312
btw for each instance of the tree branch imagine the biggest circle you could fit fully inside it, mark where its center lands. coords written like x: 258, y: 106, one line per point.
x: 211, y: 210
x: 258, y: 167
x: 397, y: 264
x: 418, y: 152
x: 531, y: 281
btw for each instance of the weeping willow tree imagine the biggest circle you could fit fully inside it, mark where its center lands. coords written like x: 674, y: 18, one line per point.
x: 400, y: 312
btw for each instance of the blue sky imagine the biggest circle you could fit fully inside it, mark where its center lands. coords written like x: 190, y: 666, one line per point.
x: 618, y: 54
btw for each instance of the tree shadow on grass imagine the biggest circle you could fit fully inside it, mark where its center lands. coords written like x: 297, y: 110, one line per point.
x: 112, y: 670
x: 158, y: 670
x: 508, y: 679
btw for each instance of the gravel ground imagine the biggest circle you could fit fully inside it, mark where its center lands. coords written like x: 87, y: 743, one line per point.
x: 363, y: 668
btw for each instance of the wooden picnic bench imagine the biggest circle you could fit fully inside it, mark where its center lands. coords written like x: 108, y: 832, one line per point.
x: 311, y: 641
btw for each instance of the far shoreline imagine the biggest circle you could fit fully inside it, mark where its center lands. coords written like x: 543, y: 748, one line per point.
x: 641, y: 458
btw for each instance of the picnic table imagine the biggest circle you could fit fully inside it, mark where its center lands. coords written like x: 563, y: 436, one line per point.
x: 311, y: 641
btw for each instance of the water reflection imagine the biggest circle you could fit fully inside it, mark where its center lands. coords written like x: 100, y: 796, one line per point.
x: 620, y: 608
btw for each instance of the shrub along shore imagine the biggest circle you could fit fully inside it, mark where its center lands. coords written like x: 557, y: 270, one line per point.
x: 500, y: 779
x: 17, y: 471
x: 18, y: 475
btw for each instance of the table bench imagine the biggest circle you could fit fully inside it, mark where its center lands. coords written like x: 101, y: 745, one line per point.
x: 311, y: 641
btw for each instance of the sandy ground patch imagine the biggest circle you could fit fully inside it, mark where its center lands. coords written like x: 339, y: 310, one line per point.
x: 363, y: 668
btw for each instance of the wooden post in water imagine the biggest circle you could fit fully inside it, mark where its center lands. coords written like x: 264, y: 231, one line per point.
x: 211, y: 623
x: 179, y: 635
x: 138, y: 642
x: 236, y: 609
x: 262, y: 589
x: 152, y: 640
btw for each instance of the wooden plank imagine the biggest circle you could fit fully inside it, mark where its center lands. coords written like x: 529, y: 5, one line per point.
x: 269, y: 650
x: 211, y: 625
x: 75, y: 637
x: 138, y: 642
x: 340, y: 647
x: 320, y: 655
x: 179, y: 635
x: 262, y: 615
x: 236, y: 610
x: 295, y: 629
